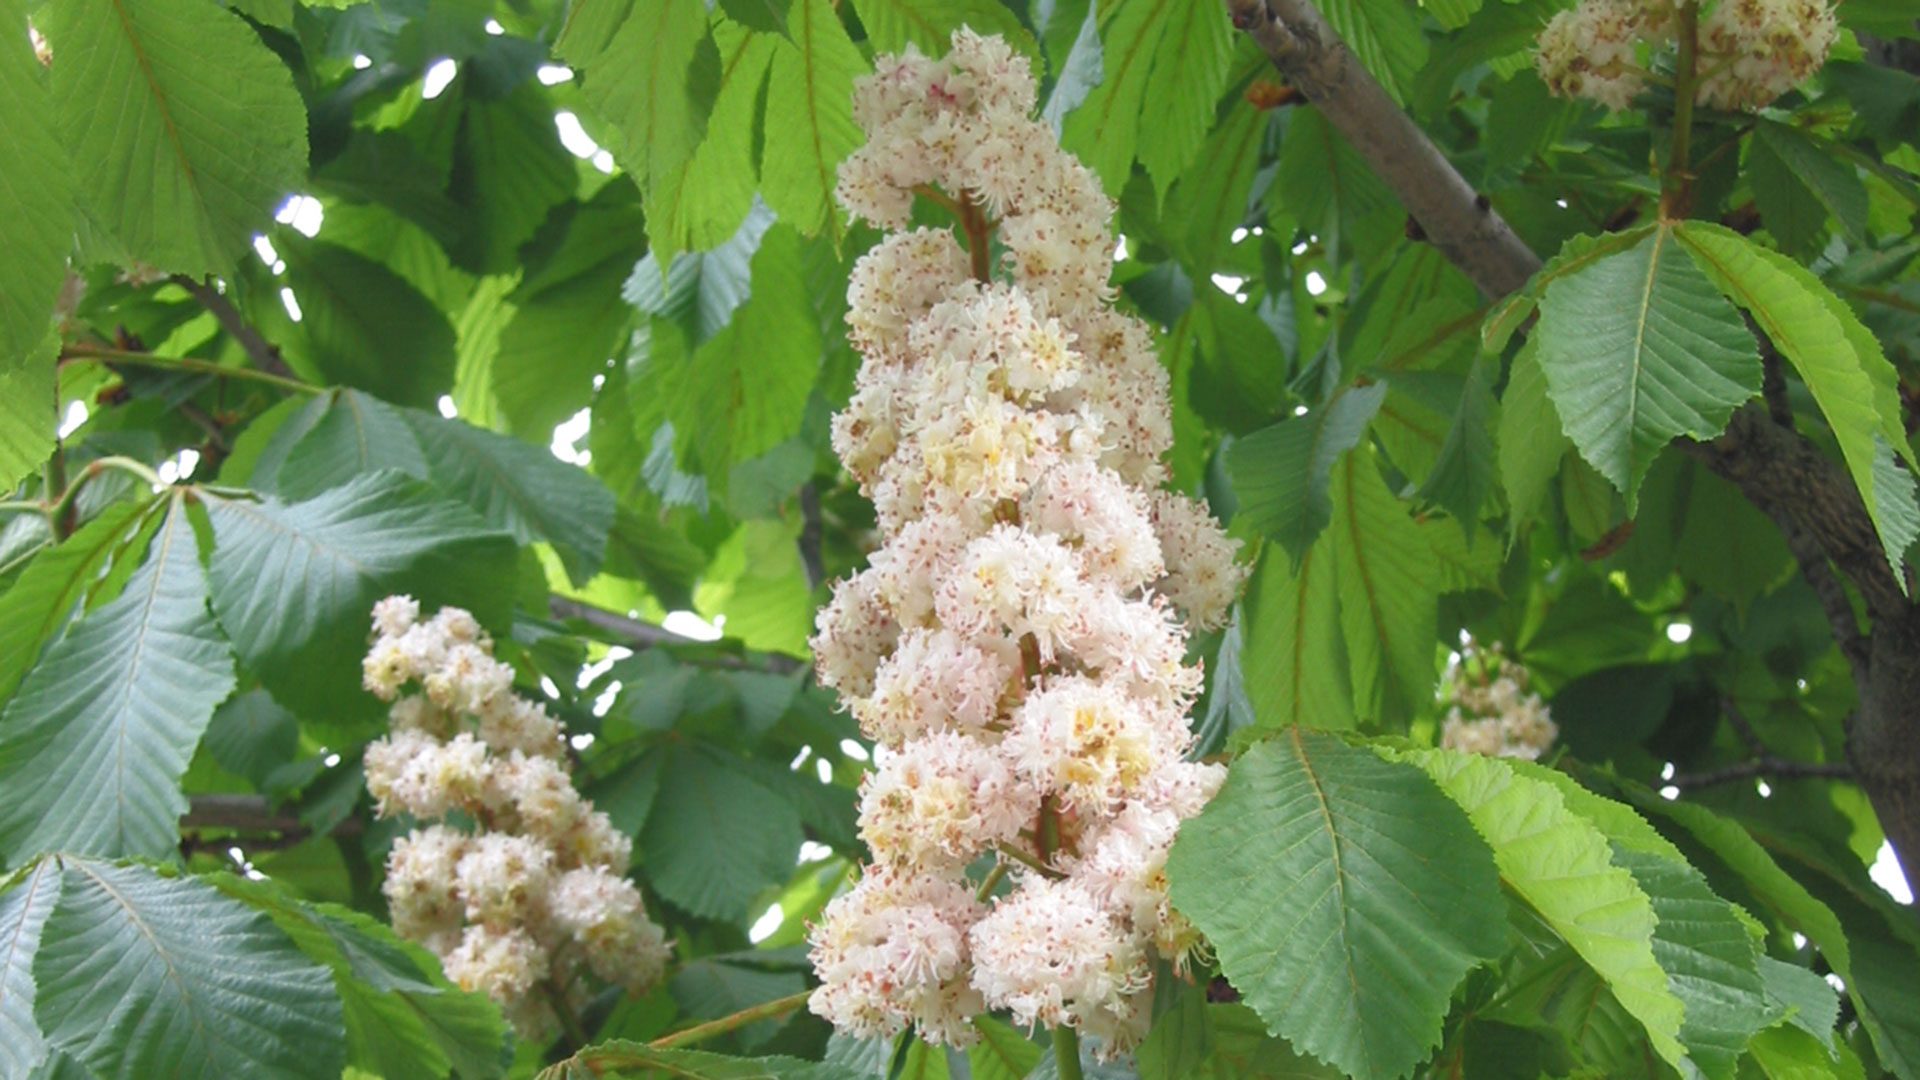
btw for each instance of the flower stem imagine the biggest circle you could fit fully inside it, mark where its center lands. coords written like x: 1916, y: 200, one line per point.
x: 993, y: 878
x: 569, y: 1020
x: 1066, y: 1053
x: 81, y: 351
x: 763, y: 1011
x: 1676, y: 183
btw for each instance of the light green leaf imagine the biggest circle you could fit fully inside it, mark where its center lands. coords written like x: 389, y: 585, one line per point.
x: 1189, y: 71
x: 1637, y: 349
x: 139, y: 973
x: 94, y: 746
x: 766, y: 16
x: 1840, y: 361
x: 1104, y: 132
x: 1389, y: 588
x: 1787, y: 1053
x: 50, y: 588
x: 1002, y: 1053
x: 810, y: 125
x: 1578, y: 253
x: 36, y: 232
x: 520, y: 488
x: 1385, y: 37
x: 1212, y: 196
x: 180, y: 160
x: 716, y: 837
x: 929, y: 24
x: 363, y: 325
x: 1561, y: 866
x: 1282, y: 475
x: 24, y: 908
x: 701, y: 291
x: 700, y: 203
x: 1531, y: 440
x: 1294, y: 664
x: 634, y: 61
x: 1344, y: 895
x: 294, y: 583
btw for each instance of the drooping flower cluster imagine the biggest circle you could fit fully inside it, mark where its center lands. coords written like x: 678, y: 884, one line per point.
x: 1492, y: 711
x: 1017, y: 645
x: 536, y: 893
x: 1749, y: 51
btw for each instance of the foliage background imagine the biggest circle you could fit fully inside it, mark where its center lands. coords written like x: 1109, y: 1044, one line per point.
x: 535, y: 309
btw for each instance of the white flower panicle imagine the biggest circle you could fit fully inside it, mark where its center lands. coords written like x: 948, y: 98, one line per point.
x: 1749, y: 51
x: 1017, y: 646
x: 1492, y: 712
x: 519, y: 907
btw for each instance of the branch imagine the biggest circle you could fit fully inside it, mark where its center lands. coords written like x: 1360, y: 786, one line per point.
x: 1770, y: 767
x: 265, y: 354
x: 635, y: 634
x: 254, y: 817
x: 1452, y: 215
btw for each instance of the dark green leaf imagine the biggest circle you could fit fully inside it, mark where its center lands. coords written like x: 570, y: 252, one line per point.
x: 24, y: 908
x: 716, y: 838
x: 1282, y: 475
x: 363, y: 325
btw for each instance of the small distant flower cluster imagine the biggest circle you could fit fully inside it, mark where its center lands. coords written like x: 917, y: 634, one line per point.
x: 516, y: 908
x: 1493, y: 713
x: 1749, y: 51
x: 1017, y: 645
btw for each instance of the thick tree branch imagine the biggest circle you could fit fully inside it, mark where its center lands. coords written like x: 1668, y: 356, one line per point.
x: 1452, y: 215
x: 253, y: 817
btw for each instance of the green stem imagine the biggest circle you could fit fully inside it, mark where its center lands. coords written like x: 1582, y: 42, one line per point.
x: 763, y: 1011
x: 23, y: 506
x: 1676, y: 186
x: 993, y: 878
x: 102, y: 354
x: 1066, y: 1053
x: 99, y: 465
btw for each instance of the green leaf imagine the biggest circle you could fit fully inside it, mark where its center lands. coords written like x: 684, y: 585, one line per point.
x: 1574, y: 256
x: 363, y: 325
x: 402, y: 1017
x: 52, y: 585
x: 94, y: 746
x: 810, y: 125
x: 509, y: 171
x: 1789, y: 157
x: 1840, y: 361
x: 1344, y: 895
x: 701, y: 291
x: 716, y: 837
x: 1242, y: 1050
x: 180, y: 160
x: 745, y: 391
x: 1561, y: 866
x: 138, y: 973
x: 1802, y: 996
x: 634, y: 61
x: 36, y: 233
x: 1189, y: 71
x: 1295, y: 664
x: 700, y: 203
x: 1639, y: 348
x: 766, y: 16
x: 24, y: 908
x: 1385, y: 37
x: 294, y: 583
x: 1785, y: 1053
x: 929, y: 24
x: 1283, y: 475
x: 1212, y: 196
x: 520, y: 488
x: 1002, y: 1053
x: 347, y: 434
x: 1389, y: 587
x: 1531, y: 441
x: 1182, y: 1033
x: 1462, y: 477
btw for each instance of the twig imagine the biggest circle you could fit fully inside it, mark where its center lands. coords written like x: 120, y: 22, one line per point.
x: 80, y: 351
x: 265, y: 354
x: 1744, y: 728
x: 766, y: 1010
x: 1305, y: 49
x: 642, y: 634
x: 1771, y: 767
x: 252, y: 817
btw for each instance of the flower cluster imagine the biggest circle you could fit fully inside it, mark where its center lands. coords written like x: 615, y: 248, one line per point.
x: 1492, y: 711
x: 1017, y: 646
x: 517, y: 908
x: 1749, y: 51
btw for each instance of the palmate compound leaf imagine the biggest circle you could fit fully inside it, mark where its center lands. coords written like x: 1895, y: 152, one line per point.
x: 1346, y: 897
x: 1841, y: 362
x: 1561, y: 865
x: 140, y: 975
x: 294, y: 583
x: 181, y: 160
x: 93, y: 747
x: 1639, y: 348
